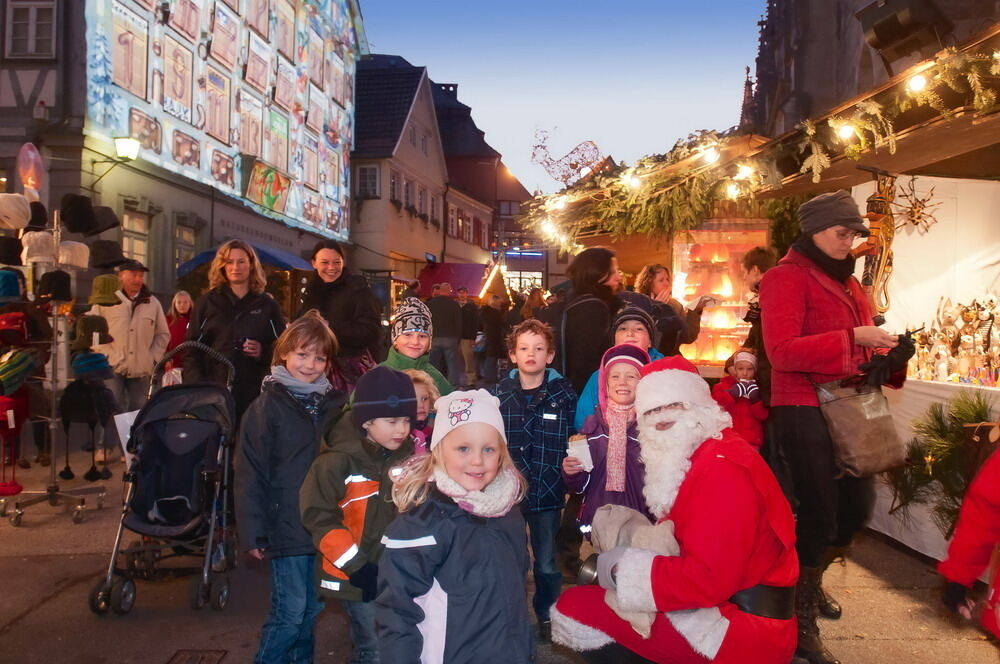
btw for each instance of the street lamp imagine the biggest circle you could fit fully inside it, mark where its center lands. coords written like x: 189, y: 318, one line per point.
x: 126, y: 149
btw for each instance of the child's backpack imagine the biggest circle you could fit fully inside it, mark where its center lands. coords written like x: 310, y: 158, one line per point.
x: 13, y: 329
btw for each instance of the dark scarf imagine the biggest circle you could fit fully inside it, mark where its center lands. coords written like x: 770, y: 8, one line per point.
x: 838, y: 270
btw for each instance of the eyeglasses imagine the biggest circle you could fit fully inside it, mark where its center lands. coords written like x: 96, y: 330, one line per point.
x: 848, y: 235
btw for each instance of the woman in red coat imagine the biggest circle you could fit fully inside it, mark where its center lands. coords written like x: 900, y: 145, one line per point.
x: 977, y: 535
x: 818, y: 327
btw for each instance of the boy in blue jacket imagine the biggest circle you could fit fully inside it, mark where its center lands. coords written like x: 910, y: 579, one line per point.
x: 538, y: 405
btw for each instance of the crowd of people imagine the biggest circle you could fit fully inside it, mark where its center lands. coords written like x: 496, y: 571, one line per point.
x: 411, y: 483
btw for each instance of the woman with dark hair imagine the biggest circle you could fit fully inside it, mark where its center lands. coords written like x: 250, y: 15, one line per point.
x: 238, y: 319
x: 350, y: 308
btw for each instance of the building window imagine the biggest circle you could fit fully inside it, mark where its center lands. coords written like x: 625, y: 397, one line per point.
x: 32, y: 29
x: 367, y: 182
x: 407, y: 193
x: 466, y: 222
x: 422, y: 201
x: 413, y: 136
x: 509, y: 208
x: 135, y: 236
x: 452, y: 221
x: 183, y: 244
x: 435, y: 208
x: 394, y: 186
x: 424, y: 140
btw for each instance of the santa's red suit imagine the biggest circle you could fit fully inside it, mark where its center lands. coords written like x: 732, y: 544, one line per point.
x: 977, y: 535
x: 735, y: 532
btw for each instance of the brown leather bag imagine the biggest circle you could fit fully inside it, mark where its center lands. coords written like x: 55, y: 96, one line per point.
x: 864, y: 437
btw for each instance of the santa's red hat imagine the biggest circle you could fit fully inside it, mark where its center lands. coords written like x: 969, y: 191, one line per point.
x: 670, y: 380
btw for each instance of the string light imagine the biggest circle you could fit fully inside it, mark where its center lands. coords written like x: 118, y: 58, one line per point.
x: 917, y: 83
x: 743, y: 172
x: 710, y: 155
x: 631, y: 180
x: 559, y: 203
x: 548, y: 228
x: 846, y: 131
x: 732, y: 191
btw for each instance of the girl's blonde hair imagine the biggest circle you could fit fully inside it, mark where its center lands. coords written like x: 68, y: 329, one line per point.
x: 412, y: 488
x: 310, y: 330
x: 217, y: 271
x: 173, y: 314
x: 423, y: 378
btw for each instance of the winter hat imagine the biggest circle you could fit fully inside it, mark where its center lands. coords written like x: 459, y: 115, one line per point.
x: 14, y: 211
x: 55, y: 285
x: 106, y: 254
x: 39, y: 217
x: 104, y: 291
x: 411, y: 315
x: 39, y: 247
x: 458, y: 408
x: 670, y: 380
x: 632, y: 312
x: 10, y: 250
x: 744, y: 356
x: 836, y: 208
x: 77, y: 213
x: 383, y: 392
x: 104, y: 219
x: 92, y: 366
x: 10, y: 287
x: 133, y: 265
x: 74, y: 254
x: 625, y: 353
x: 15, y: 366
x: 86, y: 328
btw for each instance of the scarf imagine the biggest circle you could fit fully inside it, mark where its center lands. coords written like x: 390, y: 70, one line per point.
x: 618, y: 417
x: 494, y: 501
x: 838, y: 270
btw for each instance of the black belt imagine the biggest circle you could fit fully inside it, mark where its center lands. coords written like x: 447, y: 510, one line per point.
x: 766, y: 601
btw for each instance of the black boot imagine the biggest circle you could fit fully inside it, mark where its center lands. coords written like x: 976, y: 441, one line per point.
x: 828, y: 606
x: 613, y: 653
x: 807, y: 594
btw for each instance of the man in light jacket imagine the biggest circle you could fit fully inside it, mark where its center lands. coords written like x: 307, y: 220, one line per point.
x: 140, y: 337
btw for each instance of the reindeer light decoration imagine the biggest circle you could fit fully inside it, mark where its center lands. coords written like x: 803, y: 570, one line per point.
x: 577, y: 163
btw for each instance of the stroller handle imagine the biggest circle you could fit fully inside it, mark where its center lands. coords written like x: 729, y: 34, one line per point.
x: 192, y: 345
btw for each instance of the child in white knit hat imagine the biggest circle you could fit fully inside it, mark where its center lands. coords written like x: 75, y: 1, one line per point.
x: 451, y: 579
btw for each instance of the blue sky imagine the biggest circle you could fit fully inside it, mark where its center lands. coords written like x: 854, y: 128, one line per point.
x: 631, y: 75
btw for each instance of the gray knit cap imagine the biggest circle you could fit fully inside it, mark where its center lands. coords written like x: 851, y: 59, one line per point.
x: 411, y: 315
x: 832, y: 209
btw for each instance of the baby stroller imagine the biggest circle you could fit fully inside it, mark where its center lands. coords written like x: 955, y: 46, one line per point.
x: 176, y: 494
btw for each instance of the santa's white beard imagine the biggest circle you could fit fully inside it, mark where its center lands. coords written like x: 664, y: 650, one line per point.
x: 667, y: 454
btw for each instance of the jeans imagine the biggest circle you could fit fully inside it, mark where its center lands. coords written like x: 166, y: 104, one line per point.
x: 130, y: 394
x: 470, y: 363
x: 542, y: 528
x: 490, y: 370
x: 361, y: 616
x: 831, y: 510
x: 447, y: 358
x: 287, y: 635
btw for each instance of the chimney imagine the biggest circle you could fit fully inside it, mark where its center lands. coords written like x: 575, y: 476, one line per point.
x: 450, y: 88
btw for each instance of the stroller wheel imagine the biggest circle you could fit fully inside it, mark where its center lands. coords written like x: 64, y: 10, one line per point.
x: 15, y: 518
x: 78, y: 515
x: 219, y: 592
x: 197, y: 593
x: 99, y: 599
x: 122, y: 595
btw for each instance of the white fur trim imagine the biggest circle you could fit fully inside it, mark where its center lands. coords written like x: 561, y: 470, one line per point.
x: 703, y: 629
x: 575, y: 635
x: 662, y: 388
x: 634, y: 582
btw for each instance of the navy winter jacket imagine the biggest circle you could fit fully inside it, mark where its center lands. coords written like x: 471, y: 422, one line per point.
x: 451, y: 587
x: 537, y: 435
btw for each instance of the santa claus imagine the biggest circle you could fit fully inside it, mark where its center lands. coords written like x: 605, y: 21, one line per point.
x: 728, y: 593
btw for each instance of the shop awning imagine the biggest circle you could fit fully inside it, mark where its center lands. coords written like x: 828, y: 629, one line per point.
x: 469, y: 275
x: 270, y: 256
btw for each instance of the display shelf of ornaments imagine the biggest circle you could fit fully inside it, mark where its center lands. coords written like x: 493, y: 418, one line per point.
x: 711, y: 263
x: 961, y: 344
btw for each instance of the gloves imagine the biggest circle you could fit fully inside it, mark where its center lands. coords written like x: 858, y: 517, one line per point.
x: 366, y: 579
x: 607, y: 564
x: 745, y: 390
x: 954, y: 597
x: 880, y: 369
x: 900, y: 355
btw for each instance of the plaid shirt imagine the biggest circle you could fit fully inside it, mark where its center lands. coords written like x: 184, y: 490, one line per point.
x: 537, y: 434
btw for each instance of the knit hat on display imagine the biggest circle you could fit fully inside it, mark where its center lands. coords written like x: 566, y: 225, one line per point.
x: 39, y: 217
x: 74, y: 254
x: 632, y: 312
x: 14, y: 211
x: 744, y: 356
x: 10, y: 287
x: 92, y: 366
x: 459, y: 408
x: 106, y: 254
x: 670, y: 380
x: 623, y: 354
x: 383, y: 392
x: 77, y: 213
x: 55, y: 285
x: 104, y: 290
x: 836, y: 208
x: 39, y: 247
x: 411, y: 315
x: 86, y: 328
x: 15, y: 366
x: 10, y: 250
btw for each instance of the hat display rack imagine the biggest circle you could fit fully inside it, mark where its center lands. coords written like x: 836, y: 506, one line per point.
x: 53, y: 494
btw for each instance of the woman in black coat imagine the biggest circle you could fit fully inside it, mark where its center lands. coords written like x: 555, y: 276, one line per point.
x: 236, y: 318
x: 350, y: 308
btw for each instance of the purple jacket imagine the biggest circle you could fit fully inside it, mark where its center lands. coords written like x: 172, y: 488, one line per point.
x: 591, y: 484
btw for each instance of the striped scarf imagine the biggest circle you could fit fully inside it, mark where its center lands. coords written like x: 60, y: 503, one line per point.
x: 618, y: 417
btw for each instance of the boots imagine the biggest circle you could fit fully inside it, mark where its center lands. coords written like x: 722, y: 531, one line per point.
x: 807, y: 597
x: 828, y: 606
